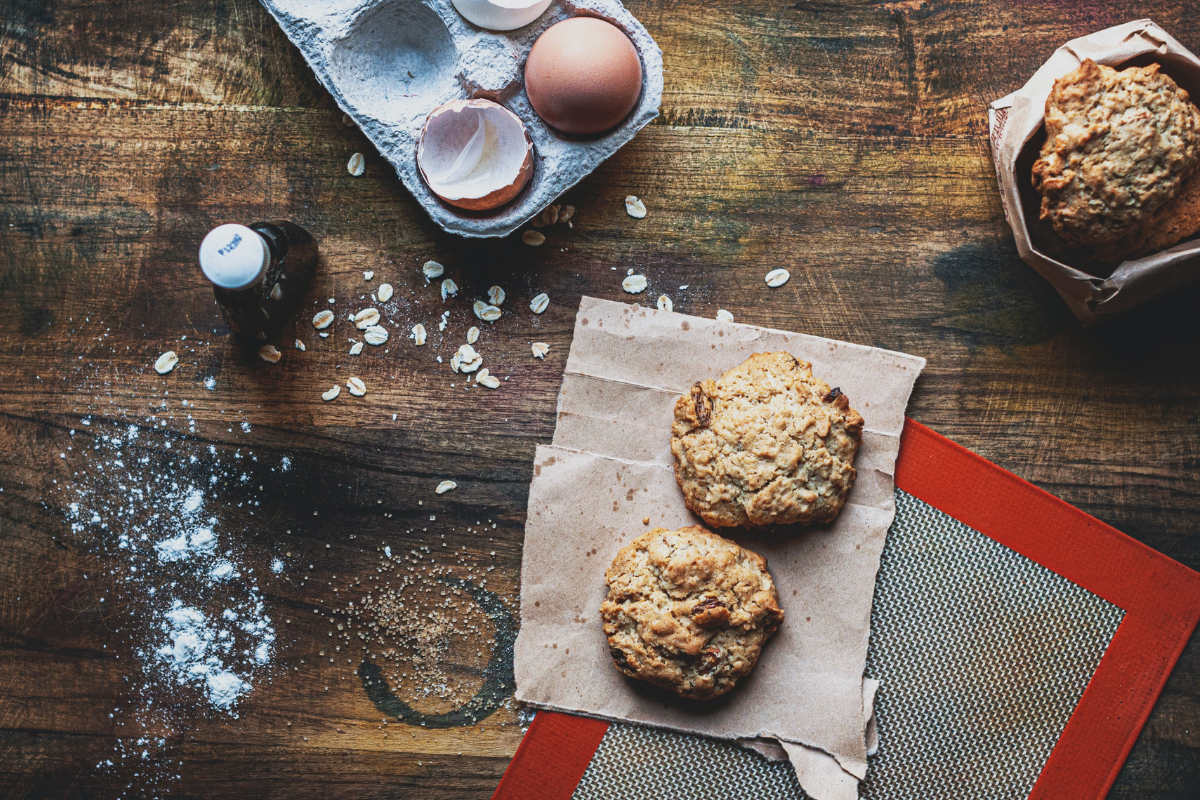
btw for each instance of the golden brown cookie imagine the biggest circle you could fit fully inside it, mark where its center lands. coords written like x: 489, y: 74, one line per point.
x: 766, y: 444
x: 1178, y: 219
x: 1118, y: 146
x: 688, y: 610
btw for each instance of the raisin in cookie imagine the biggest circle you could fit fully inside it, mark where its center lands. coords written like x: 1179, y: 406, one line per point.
x: 766, y: 444
x: 688, y: 610
x: 1118, y: 147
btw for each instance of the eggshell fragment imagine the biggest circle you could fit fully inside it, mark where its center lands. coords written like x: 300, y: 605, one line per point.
x: 501, y: 15
x: 475, y: 154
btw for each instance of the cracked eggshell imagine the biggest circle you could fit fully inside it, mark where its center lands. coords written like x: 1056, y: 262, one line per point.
x: 501, y: 15
x: 475, y: 154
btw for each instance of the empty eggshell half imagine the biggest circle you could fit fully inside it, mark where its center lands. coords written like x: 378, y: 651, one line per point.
x: 501, y: 15
x: 475, y: 154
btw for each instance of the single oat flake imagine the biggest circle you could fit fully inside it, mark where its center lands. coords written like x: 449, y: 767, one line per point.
x: 368, y: 275
x: 385, y: 292
x: 445, y: 486
x: 539, y: 304
x: 472, y: 335
x: 323, y: 319
x: 366, y: 318
x: 418, y: 334
x: 449, y: 289
x: 540, y: 349
x: 565, y: 216
x: 375, y: 335
x: 270, y: 353
x: 724, y: 316
x: 484, y: 379
x: 634, y: 284
x: 496, y: 296
x: 300, y: 346
x: 356, y: 387
x: 777, y: 277
x: 634, y: 207
x: 357, y: 165
x: 432, y: 269
x: 533, y: 238
x: 665, y: 304
x: 486, y: 312
x: 166, y: 362
x: 331, y: 394
x: 277, y: 292
x: 356, y: 348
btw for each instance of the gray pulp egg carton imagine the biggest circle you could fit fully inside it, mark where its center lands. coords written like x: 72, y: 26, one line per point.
x: 388, y: 63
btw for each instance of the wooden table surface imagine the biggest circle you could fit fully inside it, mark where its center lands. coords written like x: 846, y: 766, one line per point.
x: 843, y: 141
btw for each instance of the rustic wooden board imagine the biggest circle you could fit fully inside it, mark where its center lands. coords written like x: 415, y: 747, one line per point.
x: 842, y: 141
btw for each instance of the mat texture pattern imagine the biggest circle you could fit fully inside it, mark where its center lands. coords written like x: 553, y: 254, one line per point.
x: 982, y: 654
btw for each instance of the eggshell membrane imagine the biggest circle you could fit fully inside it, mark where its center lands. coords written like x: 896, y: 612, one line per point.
x: 501, y: 15
x: 475, y: 154
x: 583, y: 75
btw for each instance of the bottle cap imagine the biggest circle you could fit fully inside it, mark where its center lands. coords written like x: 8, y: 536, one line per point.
x: 233, y: 256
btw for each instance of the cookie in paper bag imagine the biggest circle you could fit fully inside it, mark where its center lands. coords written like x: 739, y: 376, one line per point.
x: 688, y: 610
x: 766, y: 444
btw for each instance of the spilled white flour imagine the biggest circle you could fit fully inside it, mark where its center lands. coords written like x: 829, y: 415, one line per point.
x: 206, y: 628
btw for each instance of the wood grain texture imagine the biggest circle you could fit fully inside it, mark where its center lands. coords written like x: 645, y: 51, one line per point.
x: 843, y: 141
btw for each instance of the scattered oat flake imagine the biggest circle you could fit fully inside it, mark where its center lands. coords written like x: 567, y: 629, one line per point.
x: 331, y: 394
x: 486, y: 312
x: 432, y: 269
x: 368, y: 275
x: 357, y: 165
x: 496, y: 296
x: 540, y: 349
x: 634, y: 207
x: 484, y: 379
x: 385, y: 292
x: 468, y: 359
x: 665, y: 304
x: 375, y: 335
x: 270, y: 353
x: 634, y: 284
x: 347, y: 120
x: 300, y: 346
x: 323, y: 319
x: 418, y: 334
x: 533, y: 238
x: 277, y: 292
x: 366, y: 318
x: 356, y: 386
x: 166, y: 362
x: 724, y: 316
x: 565, y: 215
x: 472, y: 335
x: 356, y: 348
x: 449, y: 289
x: 550, y: 215
x: 777, y: 277
x: 539, y: 304
x: 445, y: 486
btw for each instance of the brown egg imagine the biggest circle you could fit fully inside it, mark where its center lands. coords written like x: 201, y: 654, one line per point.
x: 583, y: 75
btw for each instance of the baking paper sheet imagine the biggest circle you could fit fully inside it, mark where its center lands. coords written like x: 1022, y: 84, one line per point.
x: 1015, y: 119
x: 610, y: 466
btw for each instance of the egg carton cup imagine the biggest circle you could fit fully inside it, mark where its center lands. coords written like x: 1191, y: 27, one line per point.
x: 388, y: 63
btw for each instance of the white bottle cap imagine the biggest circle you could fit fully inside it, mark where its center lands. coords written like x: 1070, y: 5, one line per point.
x: 233, y: 256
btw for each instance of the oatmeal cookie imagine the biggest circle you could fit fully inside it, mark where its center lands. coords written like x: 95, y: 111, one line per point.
x: 688, y: 610
x: 1178, y: 219
x: 768, y: 443
x: 1118, y: 147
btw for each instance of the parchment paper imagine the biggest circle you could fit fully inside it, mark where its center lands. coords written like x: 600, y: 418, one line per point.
x: 610, y: 465
x: 1015, y: 119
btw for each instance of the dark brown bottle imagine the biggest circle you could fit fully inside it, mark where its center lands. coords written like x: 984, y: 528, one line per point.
x: 259, y: 273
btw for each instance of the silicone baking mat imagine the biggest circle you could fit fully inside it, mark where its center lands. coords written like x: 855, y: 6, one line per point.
x: 1020, y: 644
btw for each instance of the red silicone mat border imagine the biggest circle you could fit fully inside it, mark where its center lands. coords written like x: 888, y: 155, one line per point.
x: 1160, y: 597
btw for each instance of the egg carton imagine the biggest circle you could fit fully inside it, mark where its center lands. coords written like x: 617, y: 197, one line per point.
x: 388, y: 63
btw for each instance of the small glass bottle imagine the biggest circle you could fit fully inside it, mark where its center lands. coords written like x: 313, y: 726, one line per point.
x: 259, y: 273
